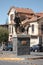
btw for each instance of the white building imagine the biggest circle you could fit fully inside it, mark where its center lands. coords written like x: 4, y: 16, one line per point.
x: 29, y: 18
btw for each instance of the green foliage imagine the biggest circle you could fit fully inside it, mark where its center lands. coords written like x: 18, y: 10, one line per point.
x: 3, y: 34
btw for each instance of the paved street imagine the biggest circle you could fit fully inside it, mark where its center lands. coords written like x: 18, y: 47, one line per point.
x: 10, y: 63
x: 26, y: 62
x: 33, y: 62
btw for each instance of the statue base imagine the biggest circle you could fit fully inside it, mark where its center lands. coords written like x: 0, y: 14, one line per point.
x: 21, y: 44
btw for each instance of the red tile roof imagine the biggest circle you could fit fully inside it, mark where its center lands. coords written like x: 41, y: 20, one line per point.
x: 31, y: 18
x: 26, y: 21
x: 22, y: 10
x: 39, y: 14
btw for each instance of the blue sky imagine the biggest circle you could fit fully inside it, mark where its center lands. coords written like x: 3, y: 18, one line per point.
x: 35, y: 5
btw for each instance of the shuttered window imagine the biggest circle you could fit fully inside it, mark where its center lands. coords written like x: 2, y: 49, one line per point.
x: 32, y: 28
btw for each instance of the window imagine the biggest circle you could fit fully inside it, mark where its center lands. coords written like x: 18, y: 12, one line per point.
x: 40, y: 40
x: 32, y: 28
x: 42, y: 28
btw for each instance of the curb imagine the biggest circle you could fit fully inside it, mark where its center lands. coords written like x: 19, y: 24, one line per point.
x: 12, y: 59
x: 34, y: 58
x: 19, y: 59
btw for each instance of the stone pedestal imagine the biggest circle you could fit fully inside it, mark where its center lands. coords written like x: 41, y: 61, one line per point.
x: 21, y: 44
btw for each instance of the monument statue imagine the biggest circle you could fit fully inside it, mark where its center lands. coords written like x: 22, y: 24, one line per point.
x: 21, y: 42
x: 17, y: 23
x: 19, y: 28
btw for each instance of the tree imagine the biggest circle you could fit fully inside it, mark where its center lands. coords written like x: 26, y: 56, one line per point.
x: 3, y: 35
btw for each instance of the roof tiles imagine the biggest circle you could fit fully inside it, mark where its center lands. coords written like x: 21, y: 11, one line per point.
x: 22, y: 10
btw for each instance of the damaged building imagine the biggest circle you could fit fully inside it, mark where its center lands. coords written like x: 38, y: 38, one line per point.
x: 28, y: 23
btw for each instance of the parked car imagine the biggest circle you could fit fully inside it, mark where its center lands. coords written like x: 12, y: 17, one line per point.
x: 8, y: 48
x: 42, y: 48
x: 34, y: 48
x: 31, y: 49
x: 1, y: 48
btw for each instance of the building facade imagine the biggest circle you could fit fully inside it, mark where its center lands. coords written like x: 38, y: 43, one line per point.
x: 27, y: 18
x: 22, y: 13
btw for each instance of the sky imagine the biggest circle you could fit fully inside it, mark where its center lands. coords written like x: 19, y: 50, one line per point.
x: 35, y: 5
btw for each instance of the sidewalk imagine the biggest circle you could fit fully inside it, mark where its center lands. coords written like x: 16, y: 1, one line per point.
x: 13, y: 57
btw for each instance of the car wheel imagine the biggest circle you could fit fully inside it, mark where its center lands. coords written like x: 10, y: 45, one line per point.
x: 9, y: 49
x: 33, y: 50
x: 36, y: 50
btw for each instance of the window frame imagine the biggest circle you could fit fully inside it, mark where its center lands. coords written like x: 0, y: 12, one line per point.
x: 32, y: 28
